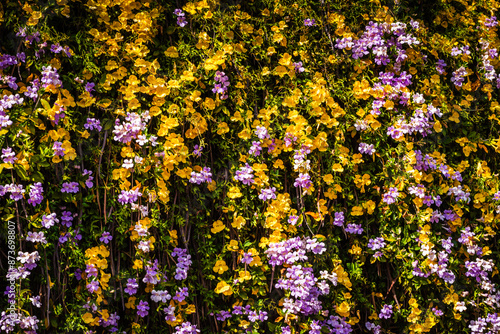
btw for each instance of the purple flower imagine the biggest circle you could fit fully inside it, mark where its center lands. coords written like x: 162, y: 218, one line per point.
x: 266, y: 194
x: 298, y: 67
x: 197, y: 150
x: 181, y: 294
x: 181, y: 21
x: 132, y: 286
x: 339, y: 219
x: 91, y: 270
x: 186, y: 328
x: 437, y: 312
x: 354, y: 229
x: 8, y: 156
x: 179, y: 12
x: 160, y: 296
x: 293, y: 220
x: 36, y: 192
x: 309, y: 22
x: 366, y: 148
x: 93, y: 124
x: 221, y: 84
x: 377, y: 243
x: 93, y: 286
x: 304, y: 181
x: 491, y: 22
x: 49, y: 220
x: 386, y: 312
x: 247, y: 258
x: 261, y: 132
x: 50, y: 77
x: 244, y: 175
x: 89, y: 180
x: 183, y: 263
x: 134, y: 124
x: 170, y: 312
x: 36, y: 237
x: 204, y: 176
x: 142, y: 308
x: 459, y: 76
x: 70, y: 187
x: 130, y: 196
x: 106, y: 237
x: 66, y: 218
x: 391, y: 196
x: 89, y: 87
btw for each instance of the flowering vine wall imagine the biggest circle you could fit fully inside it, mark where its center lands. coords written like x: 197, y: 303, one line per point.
x: 260, y: 166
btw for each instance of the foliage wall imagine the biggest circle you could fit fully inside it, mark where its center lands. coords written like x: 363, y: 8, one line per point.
x: 249, y: 166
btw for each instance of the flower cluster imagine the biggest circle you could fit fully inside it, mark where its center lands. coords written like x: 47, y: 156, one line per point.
x: 221, y: 84
x: 204, y: 176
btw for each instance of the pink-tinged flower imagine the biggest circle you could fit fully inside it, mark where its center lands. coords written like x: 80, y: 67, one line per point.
x: 70, y: 187
x: 266, y: 194
x: 293, y: 220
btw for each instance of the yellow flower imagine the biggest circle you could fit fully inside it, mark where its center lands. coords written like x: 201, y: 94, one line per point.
x: 89, y: 319
x: 233, y: 245
x: 343, y: 309
x: 130, y: 303
x: 337, y: 168
x: 244, y: 276
x: 191, y: 309
x: 357, y: 211
x: 369, y: 206
x: 137, y: 264
x: 234, y: 192
x: 238, y: 222
x: 355, y: 250
x: 328, y: 178
x: 220, y: 267
x: 217, y: 226
x: 224, y: 288
x: 172, y: 52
